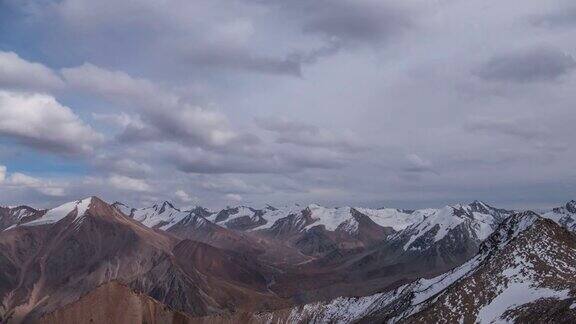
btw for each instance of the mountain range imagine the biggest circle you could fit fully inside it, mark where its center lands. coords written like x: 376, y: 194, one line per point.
x: 469, y: 262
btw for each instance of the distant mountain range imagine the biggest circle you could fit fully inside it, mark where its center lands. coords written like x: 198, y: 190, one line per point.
x: 466, y: 263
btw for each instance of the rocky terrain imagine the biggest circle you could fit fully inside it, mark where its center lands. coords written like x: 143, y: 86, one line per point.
x: 524, y: 272
x: 287, y: 264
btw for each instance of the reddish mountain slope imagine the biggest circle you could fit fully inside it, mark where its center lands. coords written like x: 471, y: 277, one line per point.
x: 75, y: 248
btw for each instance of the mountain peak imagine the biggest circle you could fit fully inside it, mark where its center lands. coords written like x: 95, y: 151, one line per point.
x: 571, y: 206
x: 509, y: 229
x: 163, y: 206
x: 54, y: 215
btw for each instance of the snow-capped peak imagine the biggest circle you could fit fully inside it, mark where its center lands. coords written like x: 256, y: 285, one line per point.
x: 331, y: 218
x: 565, y: 215
x: 391, y: 217
x: 56, y: 214
x: 272, y: 215
x: 571, y: 206
x: 479, y: 218
x: 161, y: 215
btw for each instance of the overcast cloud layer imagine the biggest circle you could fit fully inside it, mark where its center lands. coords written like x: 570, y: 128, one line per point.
x: 340, y: 102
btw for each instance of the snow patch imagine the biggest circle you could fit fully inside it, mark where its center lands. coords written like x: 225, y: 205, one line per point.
x: 514, y: 295
x: 330, y: 218
x: 390, y: 217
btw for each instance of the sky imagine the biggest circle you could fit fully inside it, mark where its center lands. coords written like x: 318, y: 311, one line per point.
x: 370, y: 103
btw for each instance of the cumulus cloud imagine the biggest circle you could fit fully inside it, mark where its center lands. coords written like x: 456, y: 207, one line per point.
x: 163, y: 115
x: 19, y: 74
x: 234, y: 197
x: 183, y: 196
x: 23, y: 181
x: 39, y: 121
x: 129, y: 184
x: 531, y: 65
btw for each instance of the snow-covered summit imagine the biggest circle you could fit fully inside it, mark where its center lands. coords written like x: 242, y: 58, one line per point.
x: 565, y: 215
x: 477, y: 219
x: 331, y: 218
x: 162, y: 215
x: 392, y: 217
x: 273, y: 214
x: 79, y: 207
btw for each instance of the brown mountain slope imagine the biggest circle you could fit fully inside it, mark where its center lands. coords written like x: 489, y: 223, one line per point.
x: 114, y: 302
x: 79, y: 246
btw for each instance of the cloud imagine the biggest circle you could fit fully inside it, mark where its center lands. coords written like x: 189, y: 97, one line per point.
x: 121, y: 120
x: 381, y: 81
x: 225, y: 184
x: 120, y: 164
x: 303, y: 134
x: 191, y: 34
x: 418, y: 164
x: 129, y: 184
x: 531, y: 65
x: 2, y: 173
x: 244, y: 60
x: 39, y: 121
x: 19, y: 74
x: 234, y: 197
x: 264, y: 162
x: 164, y: 116
x: 350, y: 21
x: 48, y: 188
x: 182, y: 196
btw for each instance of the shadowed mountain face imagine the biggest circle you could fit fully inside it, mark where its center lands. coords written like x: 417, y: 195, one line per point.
x: 204, y: 267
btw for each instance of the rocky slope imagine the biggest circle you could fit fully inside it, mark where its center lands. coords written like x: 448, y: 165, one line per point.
x: 337, y: 251
x: 53, y: 260
x: 234, y: 264
x: 437, y: 241
x: 524, y: 271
